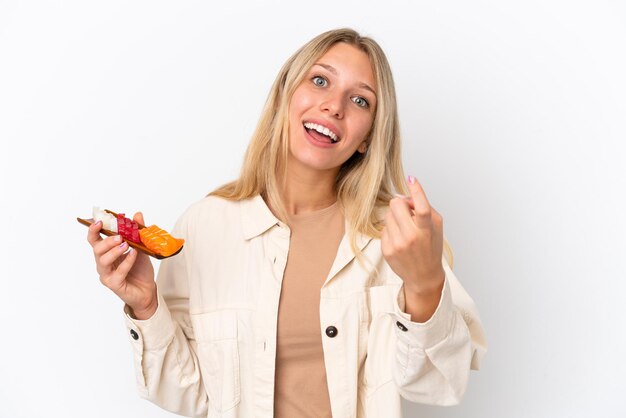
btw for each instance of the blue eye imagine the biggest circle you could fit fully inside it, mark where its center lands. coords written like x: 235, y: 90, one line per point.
x: 319, y: 81
x: 360, y: 101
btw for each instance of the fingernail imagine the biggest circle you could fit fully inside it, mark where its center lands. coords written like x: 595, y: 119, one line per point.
x: 98, y: 223
x: 118, y: 238
x: 124, y: 244
x: 411, y: 179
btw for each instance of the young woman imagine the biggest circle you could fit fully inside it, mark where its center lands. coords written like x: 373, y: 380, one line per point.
x: 305, y: 288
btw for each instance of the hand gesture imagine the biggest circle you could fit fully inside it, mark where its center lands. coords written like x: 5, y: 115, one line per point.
x: 129, y: 275
x: 412, y: 240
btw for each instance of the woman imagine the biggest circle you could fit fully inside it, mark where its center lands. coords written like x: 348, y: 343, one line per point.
x: 305, y: 287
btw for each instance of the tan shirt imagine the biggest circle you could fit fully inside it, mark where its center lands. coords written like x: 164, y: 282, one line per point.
x: 301, y: 389
x: 210, y: 348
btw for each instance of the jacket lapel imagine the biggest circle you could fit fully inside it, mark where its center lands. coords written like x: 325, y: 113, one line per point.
x: 345, y: 254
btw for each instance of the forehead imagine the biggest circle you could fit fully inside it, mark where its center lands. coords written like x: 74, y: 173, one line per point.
x: 350, y: 62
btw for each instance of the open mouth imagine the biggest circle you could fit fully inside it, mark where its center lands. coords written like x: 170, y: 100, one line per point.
x: 321, y: 133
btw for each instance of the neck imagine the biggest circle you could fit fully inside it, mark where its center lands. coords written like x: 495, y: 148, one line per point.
x: 307, y: 190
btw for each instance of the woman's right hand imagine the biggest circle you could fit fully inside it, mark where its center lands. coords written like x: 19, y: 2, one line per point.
x: 130, y: 276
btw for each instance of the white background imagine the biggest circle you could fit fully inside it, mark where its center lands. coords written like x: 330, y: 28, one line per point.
x: 513, y: 117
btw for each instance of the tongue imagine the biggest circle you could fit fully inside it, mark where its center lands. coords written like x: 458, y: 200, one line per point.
x: 319, y: 136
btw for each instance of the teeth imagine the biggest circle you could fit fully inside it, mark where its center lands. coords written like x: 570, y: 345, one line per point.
x: 323, y: 130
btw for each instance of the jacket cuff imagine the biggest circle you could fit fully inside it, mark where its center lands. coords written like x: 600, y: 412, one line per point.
x: 430, y: 333
x: 153, y: 333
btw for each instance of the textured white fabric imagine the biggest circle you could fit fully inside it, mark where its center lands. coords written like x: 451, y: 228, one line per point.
x: 210, y: 348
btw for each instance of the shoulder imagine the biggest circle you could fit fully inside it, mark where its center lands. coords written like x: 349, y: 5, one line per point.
x: 209, y: 212
x: 211, y: 204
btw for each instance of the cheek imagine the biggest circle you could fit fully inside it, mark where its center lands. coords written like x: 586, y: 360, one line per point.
x: 295, y: 110
x: 300, y: 101
x: 363, y: 127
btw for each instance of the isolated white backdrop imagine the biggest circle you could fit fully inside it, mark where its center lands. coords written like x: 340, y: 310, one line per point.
x: 513, y: 117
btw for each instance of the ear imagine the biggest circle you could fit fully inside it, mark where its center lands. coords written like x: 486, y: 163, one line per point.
x: 362, y: 148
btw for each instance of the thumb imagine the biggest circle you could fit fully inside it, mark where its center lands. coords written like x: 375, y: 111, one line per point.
x: 138, y: 217
x: 417, y: 193
x: 420, y: 202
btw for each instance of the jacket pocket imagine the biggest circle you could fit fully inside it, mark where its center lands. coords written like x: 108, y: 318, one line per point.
x: 381, y: 342
x: 218, y: 355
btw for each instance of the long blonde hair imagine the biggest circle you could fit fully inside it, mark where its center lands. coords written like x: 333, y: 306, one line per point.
x: 366, y: 182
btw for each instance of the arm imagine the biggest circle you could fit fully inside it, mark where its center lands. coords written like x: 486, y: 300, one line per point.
x: 434, y: 358
x: 434, y: 353
x: 164, y: 347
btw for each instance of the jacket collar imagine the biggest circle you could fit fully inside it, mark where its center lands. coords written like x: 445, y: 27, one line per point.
x: 344, y: 253
x: 256, y: 217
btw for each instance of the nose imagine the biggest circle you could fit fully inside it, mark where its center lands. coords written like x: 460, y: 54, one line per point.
x: 333, y: 105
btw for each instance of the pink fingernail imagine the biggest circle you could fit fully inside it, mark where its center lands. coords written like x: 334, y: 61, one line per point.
x: 122, y: 245
x: 411, y: 179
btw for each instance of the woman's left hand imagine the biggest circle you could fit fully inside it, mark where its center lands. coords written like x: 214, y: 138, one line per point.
x: 412, y: 241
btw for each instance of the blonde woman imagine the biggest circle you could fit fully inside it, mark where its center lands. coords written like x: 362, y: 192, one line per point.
x: 305, y: 288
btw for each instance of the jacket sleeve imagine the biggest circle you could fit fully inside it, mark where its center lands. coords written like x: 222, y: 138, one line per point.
x: 164, y: 347
x: 434, y: 358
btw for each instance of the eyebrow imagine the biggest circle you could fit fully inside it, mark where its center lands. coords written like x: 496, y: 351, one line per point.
x: 334, y: 71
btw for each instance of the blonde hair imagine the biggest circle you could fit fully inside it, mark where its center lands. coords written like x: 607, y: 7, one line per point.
x: 366, y: 182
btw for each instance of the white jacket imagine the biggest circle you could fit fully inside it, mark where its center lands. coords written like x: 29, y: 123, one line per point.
x: 209, y: 350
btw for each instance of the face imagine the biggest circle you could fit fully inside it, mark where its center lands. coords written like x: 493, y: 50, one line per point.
x: 332, y: 110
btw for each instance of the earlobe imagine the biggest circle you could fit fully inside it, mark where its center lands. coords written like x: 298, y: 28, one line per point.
x: 363, y: 147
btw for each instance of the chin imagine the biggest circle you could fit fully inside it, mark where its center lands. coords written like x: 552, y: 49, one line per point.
x: 311, y: 161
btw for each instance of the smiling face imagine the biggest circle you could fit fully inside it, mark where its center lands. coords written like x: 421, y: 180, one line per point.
x: 332, y: 110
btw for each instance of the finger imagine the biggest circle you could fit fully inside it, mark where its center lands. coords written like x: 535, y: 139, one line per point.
x: 93, y: 233
x: 113, y: 254
x: 104, y: 245
x: 420, y: 201
x: 408, y: 199
x: 402, y: 212
x: 394, y: 234
x: 138, y: 217
x: 122, y: 270
x: 437, y: 218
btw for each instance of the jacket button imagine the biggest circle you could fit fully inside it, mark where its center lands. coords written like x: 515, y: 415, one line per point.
x: 331, y: 331
x: 401, y: 326
x: 134, y: 334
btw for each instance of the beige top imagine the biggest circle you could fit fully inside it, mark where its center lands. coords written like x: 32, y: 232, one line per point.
x: 300, y: 387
